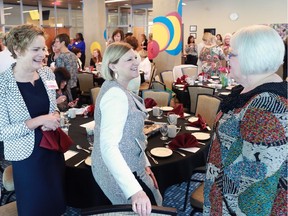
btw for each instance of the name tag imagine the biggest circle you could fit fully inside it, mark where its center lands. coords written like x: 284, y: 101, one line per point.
x: 51, y: 84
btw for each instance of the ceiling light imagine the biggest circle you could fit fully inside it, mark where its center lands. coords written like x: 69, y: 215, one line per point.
x: 8, y: 8
x: 7, y: 14
x: 183, y: 4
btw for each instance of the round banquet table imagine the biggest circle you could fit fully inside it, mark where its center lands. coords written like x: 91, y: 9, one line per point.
x: 82, y: 190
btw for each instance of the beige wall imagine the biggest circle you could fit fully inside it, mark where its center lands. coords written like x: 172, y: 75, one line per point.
x: 215, y: 14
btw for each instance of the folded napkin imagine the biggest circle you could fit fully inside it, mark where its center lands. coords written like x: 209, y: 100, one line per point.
x: 56, y: 140
x: 89, y: 110
x: 181, y: 80
x: 184, y: 140
x: 201, y: 122
x: 150, y: 102
x: 178, y: 110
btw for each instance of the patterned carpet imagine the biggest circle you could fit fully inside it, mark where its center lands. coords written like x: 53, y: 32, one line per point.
x: 173, y: 197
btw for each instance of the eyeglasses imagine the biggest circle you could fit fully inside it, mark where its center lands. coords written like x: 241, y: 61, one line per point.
x: 230, y: 55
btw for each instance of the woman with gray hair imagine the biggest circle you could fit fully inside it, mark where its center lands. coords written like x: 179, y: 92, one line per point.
x: 247, y: 166
x: 119, y: 164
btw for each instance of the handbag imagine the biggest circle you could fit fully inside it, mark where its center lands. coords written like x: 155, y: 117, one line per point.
x: 56, y: 140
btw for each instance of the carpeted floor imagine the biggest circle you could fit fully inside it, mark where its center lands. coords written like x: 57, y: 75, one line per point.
x: 173, y: 197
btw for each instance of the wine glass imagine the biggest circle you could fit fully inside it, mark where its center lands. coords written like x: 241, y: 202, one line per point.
x: 164, y: 131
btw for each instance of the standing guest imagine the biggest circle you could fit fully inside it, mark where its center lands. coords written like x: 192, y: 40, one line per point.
x: 200, y: 47
x: 68, y: 60
x: 79, y: 43
x: 211, y: 55
x: 191, y: 51
x: 62, y: 77
x: 78, y: 54
x: 96, y: 58
x: 119, y: 164
x: 150, y: 50
x: 135, y: 83
x: 219, y: 40
x: 6, y: 59
x: 144, y: 42
x: 118, y: 35
x: 247, y: 165
x: 53, y: 56
x: 226, y: 45
x: 28, y: 106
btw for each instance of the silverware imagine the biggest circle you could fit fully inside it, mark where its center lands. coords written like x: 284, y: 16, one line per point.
x: 81, y: 148
x: 168, y: 142
x: 76, y: 165
x: 149, y: 155
x: 182, y: 154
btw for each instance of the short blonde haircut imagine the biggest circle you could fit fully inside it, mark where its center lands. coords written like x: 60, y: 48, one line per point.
x: 259, y: 49
x: 112, y: 55
x: 20, y: 37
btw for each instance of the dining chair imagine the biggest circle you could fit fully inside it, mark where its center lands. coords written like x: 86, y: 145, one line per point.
x: 167, y: 78
x: 94, y: 93
x: 197, y: 199
x: 9, y: 209
x: 208, y: 106
x: 157, y: 78
x: 8, y: 185
x: 147, y: 85
x: 162, y: 98
x: 126, y: 210
x: 86, y: 83
x: 193, y: 91
x: 190, y: 71
x: 156, y: 85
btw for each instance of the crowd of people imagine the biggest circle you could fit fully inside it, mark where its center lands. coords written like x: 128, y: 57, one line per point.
x: 247, y: 163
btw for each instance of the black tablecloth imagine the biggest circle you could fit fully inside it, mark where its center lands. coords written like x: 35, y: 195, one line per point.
x: 83, y: 191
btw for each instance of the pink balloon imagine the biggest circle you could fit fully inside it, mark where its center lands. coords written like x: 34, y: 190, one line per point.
x: 155, y: 49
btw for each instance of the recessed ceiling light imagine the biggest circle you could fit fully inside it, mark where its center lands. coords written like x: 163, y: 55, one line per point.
x: 183, y: 3
x: 8, y: 8
x: 111, y: 1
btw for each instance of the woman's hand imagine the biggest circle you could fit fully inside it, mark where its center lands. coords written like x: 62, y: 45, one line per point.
x: 61, y: 99
x: 141, y: 204
x: 50, y: 122
x: 151, y: 174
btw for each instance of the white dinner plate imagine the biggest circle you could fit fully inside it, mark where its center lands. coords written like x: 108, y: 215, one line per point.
x: 161, y: 152
x: 166, y: 108
x: 225, y: 93
x: 179, y: 85
x: 201, y: 136
x: 149, y: 109
x: 193, y: 119
x: 88, y: 161
x: 215, y: 77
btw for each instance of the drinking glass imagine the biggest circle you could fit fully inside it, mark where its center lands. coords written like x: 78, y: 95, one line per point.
x: 85, y: 111
x: 160, y: 114
x: 164, y: 131
x: 90, y: 137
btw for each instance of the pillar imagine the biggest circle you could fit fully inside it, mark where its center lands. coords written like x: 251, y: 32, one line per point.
x: 165, y: 61
x: 94, y: 24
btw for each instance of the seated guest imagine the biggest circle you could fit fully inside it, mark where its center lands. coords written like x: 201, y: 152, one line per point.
x: 78, y: 54
x: 53, y: 56
x: 96, y: 58
x: 6, y: 59
x: 119, y: 164
x: 145, y: 67
x: 62, y: 77
x: 247, y: 165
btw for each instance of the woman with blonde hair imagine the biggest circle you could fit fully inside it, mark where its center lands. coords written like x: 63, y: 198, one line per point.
x: 211, y: 55
x: 119, y: 164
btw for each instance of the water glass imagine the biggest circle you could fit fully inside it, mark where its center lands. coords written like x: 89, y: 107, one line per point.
x: 164, y: 132
x: 90, y: 137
